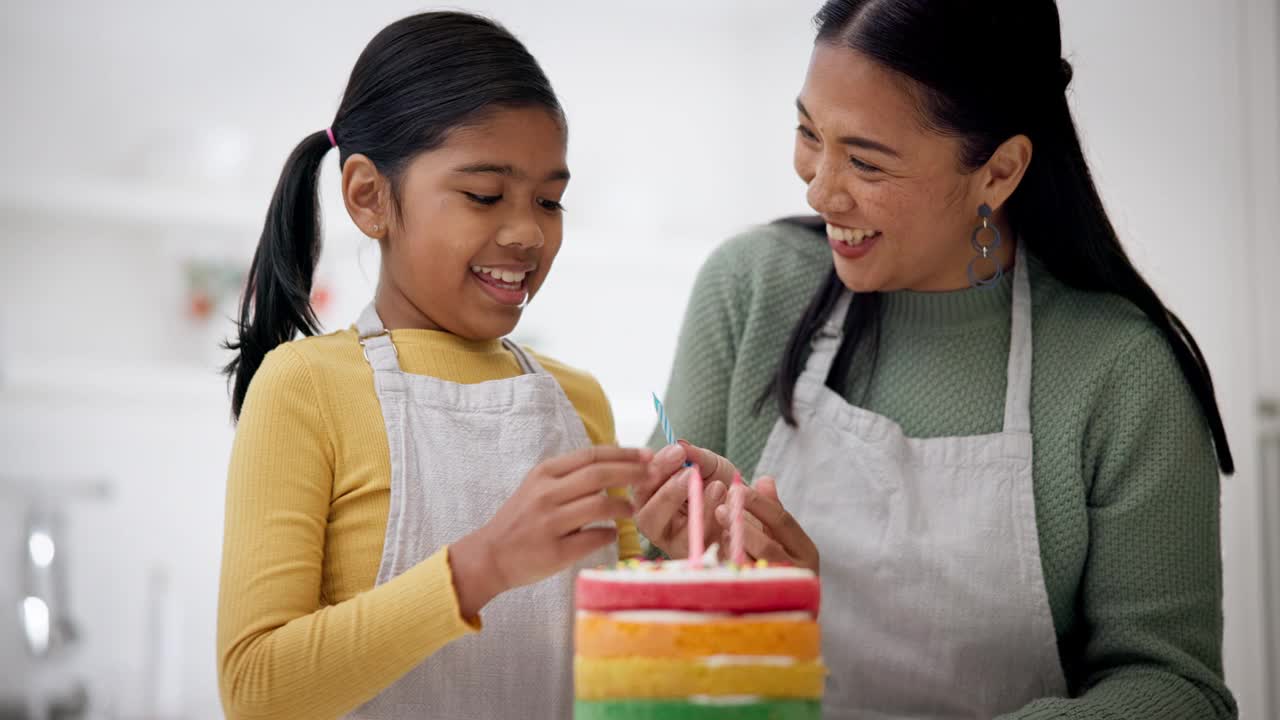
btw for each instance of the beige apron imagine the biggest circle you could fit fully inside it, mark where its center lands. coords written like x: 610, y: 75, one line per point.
x: 457, y: 453
x: 934, y: 603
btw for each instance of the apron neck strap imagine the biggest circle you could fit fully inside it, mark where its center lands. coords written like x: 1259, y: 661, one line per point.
x: 376, y: 340
x: 1017, y: 396
x: 826, y: 342
x: 528, y: 363
x: 381, y: 352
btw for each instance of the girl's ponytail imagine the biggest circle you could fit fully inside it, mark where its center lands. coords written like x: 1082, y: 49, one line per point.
x: 277, y: 299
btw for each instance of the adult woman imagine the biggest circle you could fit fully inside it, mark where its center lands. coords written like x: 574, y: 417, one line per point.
x: 1003, y: 445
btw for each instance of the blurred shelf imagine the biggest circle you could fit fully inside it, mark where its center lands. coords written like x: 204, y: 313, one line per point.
x: 164, y: 383
x: 129, y: 203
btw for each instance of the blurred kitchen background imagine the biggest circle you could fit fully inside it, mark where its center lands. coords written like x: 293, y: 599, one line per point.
x: 140, y: 140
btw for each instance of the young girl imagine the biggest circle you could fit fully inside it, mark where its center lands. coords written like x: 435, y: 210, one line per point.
x: 389, y: 481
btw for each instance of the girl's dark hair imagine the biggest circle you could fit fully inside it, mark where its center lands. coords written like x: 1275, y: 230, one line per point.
x: 417, y: 80
x: 1056, y: 212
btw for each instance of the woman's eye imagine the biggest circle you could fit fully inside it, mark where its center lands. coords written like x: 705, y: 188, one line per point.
x: 863, y: 166
x: 806, y: 133
x: 483, y: 199
x: 551, y: 205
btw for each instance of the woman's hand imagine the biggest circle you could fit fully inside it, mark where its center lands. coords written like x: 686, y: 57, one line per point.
x: 775, y: 537
x: 539, y: 530
x: 661, y: 503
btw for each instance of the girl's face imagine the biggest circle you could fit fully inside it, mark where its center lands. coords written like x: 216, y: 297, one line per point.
x: 479, y: 225
x: 899, y: 207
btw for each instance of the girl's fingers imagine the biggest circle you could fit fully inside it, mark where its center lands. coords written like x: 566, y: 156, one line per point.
x: 593, y: 478
x: 577, y: 545
x: 591, y: 509
x: 569, y: 462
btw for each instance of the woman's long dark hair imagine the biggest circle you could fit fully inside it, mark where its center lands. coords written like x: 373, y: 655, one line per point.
x: 417, y: 80
x: 986, y: 71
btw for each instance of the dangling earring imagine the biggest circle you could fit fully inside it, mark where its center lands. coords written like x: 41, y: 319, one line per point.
x: 985, y: 252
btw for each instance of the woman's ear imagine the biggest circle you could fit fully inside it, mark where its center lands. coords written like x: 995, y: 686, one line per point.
x: 366, y: 192
x: 1005, y: 170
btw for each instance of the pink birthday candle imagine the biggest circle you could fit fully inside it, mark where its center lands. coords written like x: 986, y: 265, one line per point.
x: 696, y: 529
x: 737, y: 499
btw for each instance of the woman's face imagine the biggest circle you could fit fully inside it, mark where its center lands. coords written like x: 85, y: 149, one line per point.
x: 899, y: 206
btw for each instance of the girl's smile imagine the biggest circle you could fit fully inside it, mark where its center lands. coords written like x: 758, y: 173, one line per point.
x: 505, y: 283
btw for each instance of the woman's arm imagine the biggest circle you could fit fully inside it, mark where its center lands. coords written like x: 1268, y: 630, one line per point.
x: 1151, y: 596
x: 282, y: 651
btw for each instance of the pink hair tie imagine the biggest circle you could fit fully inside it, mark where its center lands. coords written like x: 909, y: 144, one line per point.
x: 332, y: 142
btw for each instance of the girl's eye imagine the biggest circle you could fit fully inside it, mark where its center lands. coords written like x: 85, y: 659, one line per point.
x: 863, y: 166
x: 483, y: 199
x: 806, y: 132
x: 551, y: 205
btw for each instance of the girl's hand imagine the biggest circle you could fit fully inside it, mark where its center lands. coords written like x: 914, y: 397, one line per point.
x: 774, y: 536
x: 539, y: 530
x: 662, y: 507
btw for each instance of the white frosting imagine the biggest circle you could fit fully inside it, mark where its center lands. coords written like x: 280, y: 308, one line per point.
x: 676, y: 617
x: 724, y: 699
x: 681, y: 572
x: 727, y: 660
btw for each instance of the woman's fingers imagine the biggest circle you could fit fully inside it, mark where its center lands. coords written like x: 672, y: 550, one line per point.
x: 775, y: 518
x: 778, y: 537
x: 782, y: 525
x: 756, y: 545
x: 663, y: 505
x: 713, y: 466
x: 767, y: 487
x: 665, y: 464
x: 713, y: 496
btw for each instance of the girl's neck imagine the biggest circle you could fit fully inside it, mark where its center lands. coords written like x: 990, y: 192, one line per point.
x: 398, y: 312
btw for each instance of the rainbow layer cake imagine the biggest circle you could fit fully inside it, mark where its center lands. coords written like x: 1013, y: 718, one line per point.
x: 680, y: 640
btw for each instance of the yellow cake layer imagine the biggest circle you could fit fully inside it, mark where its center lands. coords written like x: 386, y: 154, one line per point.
x: 637, y: 677
x: 603, y: 636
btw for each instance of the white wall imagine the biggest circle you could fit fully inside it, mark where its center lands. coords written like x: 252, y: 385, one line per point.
x: 141, y: 134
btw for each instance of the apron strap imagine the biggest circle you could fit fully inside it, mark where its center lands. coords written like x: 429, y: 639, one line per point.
x: 381, y: 352
x: 527, y: 362
x: 1017, y: 394
x: 826, y: 342
x: 376, y: 340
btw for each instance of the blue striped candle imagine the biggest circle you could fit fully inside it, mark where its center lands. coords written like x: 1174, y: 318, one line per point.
x: 695, y: 530
x: 666, y: 424
x: 663, y: 421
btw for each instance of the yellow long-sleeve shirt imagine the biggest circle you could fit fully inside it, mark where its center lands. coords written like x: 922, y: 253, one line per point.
x: 302, y: 631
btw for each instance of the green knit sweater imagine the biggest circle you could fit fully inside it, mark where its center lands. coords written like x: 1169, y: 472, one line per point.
x: 1126, y: 482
